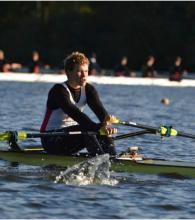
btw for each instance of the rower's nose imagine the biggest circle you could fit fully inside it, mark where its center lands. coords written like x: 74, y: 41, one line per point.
x: 84, y: 74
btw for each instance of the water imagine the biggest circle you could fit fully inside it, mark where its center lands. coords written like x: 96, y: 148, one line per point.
x: 31, y: 192
x: 95, y: 170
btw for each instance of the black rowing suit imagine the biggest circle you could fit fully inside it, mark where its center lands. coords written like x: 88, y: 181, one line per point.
x: 176, y: 73
x: 64, y: 111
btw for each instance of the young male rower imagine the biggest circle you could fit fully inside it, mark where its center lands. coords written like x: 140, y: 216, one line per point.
x: 64, y: 112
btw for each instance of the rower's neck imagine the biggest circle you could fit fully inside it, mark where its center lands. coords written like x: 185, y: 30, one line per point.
x: 73, y: 86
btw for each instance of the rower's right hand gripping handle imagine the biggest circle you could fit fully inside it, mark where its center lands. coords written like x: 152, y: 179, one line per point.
x: 106, y: 129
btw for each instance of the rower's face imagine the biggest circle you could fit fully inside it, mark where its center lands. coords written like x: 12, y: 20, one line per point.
x: 78, y: 76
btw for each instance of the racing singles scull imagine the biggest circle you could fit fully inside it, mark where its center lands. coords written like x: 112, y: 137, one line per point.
x: 125, y: 162
x: 129, y: 161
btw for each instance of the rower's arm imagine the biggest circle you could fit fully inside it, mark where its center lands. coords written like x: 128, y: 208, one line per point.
x: 59, y: 98
x: 95, y: 103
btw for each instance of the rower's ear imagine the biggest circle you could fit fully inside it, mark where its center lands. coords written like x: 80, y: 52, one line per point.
x: 67, y: 74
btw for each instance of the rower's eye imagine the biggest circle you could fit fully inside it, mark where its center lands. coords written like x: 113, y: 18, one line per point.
x: 84, y: 72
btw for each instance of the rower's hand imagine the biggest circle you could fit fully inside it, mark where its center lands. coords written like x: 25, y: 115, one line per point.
x: 110, y: 119
x: 110, y: 130
x: 107, y: 128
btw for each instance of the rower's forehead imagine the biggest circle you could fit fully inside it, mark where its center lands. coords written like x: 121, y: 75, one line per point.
x: 75, y: 59
x: 81, y: 67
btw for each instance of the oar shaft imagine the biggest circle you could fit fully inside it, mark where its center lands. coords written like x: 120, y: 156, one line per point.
x: 37, y: 135
x: 22, y: 135
x: 137, y: 125
x: 183, y: 134
x: 132, y: 134
x: 61, y: 133
x: 153, y: 129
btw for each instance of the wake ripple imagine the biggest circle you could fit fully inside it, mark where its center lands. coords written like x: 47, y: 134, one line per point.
x: 93, y: 171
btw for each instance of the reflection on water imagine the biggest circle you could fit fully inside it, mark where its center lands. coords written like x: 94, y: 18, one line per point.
x: 135, y: 196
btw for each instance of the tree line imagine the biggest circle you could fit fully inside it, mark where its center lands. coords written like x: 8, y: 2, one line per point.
x: 111, y: 29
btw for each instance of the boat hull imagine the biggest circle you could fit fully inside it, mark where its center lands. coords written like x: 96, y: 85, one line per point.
x: 145, y: 166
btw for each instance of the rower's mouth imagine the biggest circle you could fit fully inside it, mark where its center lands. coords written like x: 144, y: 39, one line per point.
x: 83, y: 80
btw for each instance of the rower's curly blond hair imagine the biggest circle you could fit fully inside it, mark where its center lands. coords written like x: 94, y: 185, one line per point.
x: 75, y: 58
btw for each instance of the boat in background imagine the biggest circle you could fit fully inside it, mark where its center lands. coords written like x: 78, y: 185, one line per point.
x: 58, y: 78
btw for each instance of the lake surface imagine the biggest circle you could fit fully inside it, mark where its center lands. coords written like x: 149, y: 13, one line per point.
x: 31, y: 192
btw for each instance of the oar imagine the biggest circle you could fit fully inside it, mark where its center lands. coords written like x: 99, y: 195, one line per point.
x: 22, y: 135
x: 163, y: 130
x: 132, y: 134
x: 13, y: 136
x: 118, y: 137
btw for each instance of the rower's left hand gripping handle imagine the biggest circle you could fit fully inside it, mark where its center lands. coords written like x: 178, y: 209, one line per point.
x: 8, y: 135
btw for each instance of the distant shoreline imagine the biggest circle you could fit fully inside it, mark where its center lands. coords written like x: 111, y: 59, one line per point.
x: 113, y: 80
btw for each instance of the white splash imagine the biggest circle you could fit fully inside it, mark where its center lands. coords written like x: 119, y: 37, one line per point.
x: 92, y: 171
